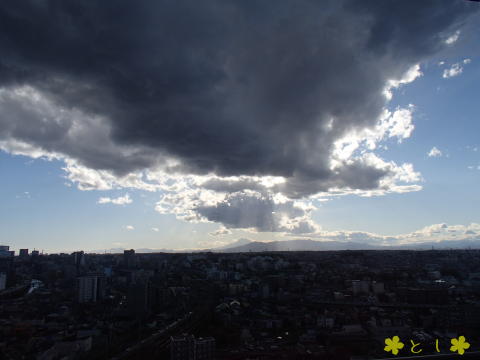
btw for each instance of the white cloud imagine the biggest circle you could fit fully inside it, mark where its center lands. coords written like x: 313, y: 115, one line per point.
x: 431, y: 233
x: 129, y: 227
x: 454, y: 70
x: 25, y: 195
x: 222, y: 230
x: 17, y: 147
x: 453, y: 38
x: 467, y: 61
x: 390, y: 125
x: 91, y: 179
x: 439, y: 232
x: 247, y: 209
x: 122, y: 200
x: 410, y: 76
x: 155, y: 229
x: 434, y: 152
x: 401, y: 179
x: 399, y: 124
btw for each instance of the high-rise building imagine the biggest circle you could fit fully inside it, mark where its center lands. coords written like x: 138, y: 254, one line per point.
x: 23, y: 253
x: 79, y: 261
x: 3, y: 281
x: 91, y: 288
x: 129, y: 258
x: 138, y: 299
x: 5, y: 251
x: 360, y: 287
x: 8, y: 269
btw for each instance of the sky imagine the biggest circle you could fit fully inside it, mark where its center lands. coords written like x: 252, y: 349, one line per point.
x: 188, y: 125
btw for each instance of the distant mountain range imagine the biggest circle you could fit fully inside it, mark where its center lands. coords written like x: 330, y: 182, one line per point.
x: 246, y: 245
x: 312, y: 245
x: 236, y: 244
x: 295, y: 245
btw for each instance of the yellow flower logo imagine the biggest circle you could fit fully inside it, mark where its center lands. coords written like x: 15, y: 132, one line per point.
x: 393, y: 345
x: 459, y: 345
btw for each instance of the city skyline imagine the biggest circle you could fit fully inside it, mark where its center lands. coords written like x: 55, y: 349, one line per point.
x: 334, y: 124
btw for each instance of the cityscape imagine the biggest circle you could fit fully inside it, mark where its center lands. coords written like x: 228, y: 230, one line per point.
x: 264, y: 305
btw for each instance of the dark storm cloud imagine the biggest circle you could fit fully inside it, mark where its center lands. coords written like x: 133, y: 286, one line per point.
x: 229, y: 186
x: 260, y: 212
x: 229, y: 87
